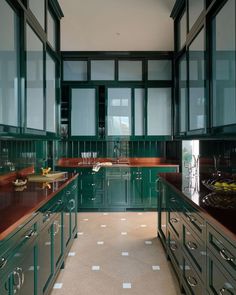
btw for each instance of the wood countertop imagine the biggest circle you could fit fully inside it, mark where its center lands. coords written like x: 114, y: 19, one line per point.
x: 17, y: 206
x: 223, y: 218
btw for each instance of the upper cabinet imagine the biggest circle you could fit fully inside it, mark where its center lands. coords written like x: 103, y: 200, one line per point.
x: 9, y: 69
x: 195, y: 8
x: 129, y: 98
x: 223, y: 68
x: 29, y: 67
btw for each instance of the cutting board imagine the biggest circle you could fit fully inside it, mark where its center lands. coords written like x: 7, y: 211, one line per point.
x: 53, y: 176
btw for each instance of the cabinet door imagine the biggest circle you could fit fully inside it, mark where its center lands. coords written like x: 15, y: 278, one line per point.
x: 34, y: 81
x: 45, y: 258
x: 66, y: 226
x: 57, y: 239
x: 83, y: 112
x: 159, y: 111
x: 139, y: 98
x: 9, y: 66
x: 137, y: 188
x: 162, y: 212
x: 117, y: 186
x: 182, y: 93
x: 119, y: 112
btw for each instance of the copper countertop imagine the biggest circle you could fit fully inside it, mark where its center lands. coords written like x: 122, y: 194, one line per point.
x: 194, y: 191
x: 17, y: 206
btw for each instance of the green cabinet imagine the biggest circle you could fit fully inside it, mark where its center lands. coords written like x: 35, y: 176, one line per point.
x: 137, y: 198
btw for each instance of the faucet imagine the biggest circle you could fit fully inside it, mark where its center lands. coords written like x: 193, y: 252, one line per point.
x: 116, y: 152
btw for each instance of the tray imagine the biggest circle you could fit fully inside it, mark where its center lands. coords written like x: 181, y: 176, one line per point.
x: 220, y: 201
x: 221, y: 185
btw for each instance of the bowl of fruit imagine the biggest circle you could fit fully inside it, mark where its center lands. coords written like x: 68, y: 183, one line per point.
x: 221, y: 185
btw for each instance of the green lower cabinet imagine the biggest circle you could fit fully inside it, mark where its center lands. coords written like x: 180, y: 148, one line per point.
x: 57, y: 240
x: 137, y: 197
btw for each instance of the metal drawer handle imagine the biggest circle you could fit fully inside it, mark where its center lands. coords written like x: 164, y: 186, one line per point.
x: 74, y: 186
x: 173, y: 199
x: 223, y: 290
x: 92, y: 199
x: 192, y: 245
x: 3, y: 262
x: 68, y: 193
x: 157, y: 184
x: 173, y: 247
x: 30, y: 234
x: 174, y: 220
x: 192, y: 281
x: 92, y: 184
x: 225, y: 257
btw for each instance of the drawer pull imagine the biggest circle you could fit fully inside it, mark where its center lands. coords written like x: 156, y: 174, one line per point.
x: 225, y: 257
x: 192, y: 245
x: 192, y: 281
x: 223, y: 290
x: 173, y: 199
x: 59, y: 202
x: 92, y: 199
x: 68, y: 193
x: 30, y: 234
x: 174, y: 220
x: 3, y: 262
x: 173, y: 247
x: 92, y: 184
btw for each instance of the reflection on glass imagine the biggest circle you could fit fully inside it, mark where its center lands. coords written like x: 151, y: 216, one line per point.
x: 75, y: 70
x: 223, y: 66
x: 34, y: 80
x: 38, y: 9
x: 159, y: 111
x: 197, y: 82
x: 50, y: 94
x: 83, y: 112
x: 102, y: 69
x: 159, y: 70
x: 182, y: 30
x: 130, y: 70
x: 9, y: 65
x: 195, y: 9
x: 119, y: 111
x: 139, y: 96
x: 51, y: 30
x: 182, y: 93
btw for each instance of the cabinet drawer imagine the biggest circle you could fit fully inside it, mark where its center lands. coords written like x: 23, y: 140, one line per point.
x: 193, y: 284
x: 175, y: 251
x: 218, y: 280
x: 223, y: 249
x: 174, y: 201
x: 175, y: 222
x: 92, y: 200
x: 195, y: 221
x: 195, y: 249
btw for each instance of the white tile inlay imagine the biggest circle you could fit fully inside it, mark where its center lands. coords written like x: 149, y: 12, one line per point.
x: 95, y: 267
x: 105, y: 213
x: 155, y: 267
x: 125, y: 253
x: 85, y: 219
x: 100, y: 242
x: 123, y: 219
x: 148, y: 242
x: 57, y: 286
x: 103, y: 225
x: 140, y: 213
x: 143, y: 225
x: 126, y: 285
x: 123, y: 233
x: 80, y: 233
x: 71, y: 254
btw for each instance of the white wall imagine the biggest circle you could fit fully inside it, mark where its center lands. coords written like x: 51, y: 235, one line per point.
x: 117, y: 25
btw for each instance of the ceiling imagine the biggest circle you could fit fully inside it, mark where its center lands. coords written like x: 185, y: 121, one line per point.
x: 116, y: 25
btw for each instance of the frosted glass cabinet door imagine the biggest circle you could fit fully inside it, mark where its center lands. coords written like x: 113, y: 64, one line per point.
x: 75, y: 70
x: 83, y: 112
x: 139, y: 96
x: 102, y: 69
x: 38, y: 9
x: 50, y: 94
x: 119, y: 112
x: 130, y: 70
x: 159, y: 111
x: 9, y: 65
x: 182, y: 93
x: 34, y: 81
x: 223, y: 66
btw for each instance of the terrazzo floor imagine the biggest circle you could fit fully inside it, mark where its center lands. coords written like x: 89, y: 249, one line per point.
x: 116, y: 254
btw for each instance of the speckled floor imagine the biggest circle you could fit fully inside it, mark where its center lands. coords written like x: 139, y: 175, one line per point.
x: 116, y: 254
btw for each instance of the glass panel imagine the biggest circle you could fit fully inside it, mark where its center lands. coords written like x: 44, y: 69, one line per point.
x: 102, y: 70
x: 130, y: 70
x: 159, y: 70
x: 75, y: 70
x: 34, y: 81
x: 195, y: 9
x: 9, y: 65
x: 51, y: 30
x: 119, y: 111
x: 223, y: 66
x: 182, y: 93
x: 139, y: 96
x: 197, y: 82
x: 50, y: 94
x: 159, y: 111
x: 83, y: 112
x: 38, y: 9
x: 182, y: 30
